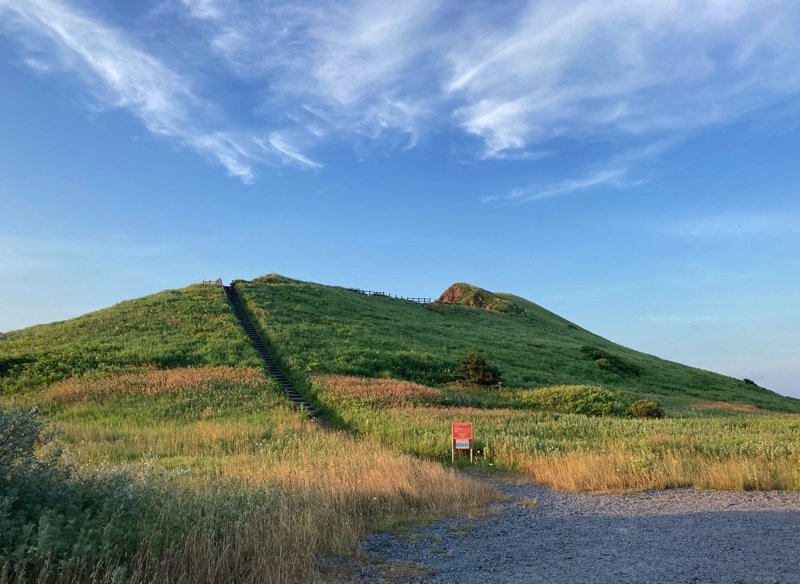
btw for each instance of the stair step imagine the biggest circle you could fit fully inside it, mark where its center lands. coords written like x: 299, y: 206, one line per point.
x: 272, y: 367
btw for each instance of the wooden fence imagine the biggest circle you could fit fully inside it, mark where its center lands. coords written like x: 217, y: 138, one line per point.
x: 408, y: 298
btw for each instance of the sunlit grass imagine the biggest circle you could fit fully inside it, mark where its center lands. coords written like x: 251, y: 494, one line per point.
x: 577, y: 452
x: 193, y: 326
x: 317, y: 329
x: 228, y: 434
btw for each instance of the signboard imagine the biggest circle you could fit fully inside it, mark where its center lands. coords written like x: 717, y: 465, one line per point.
x: 462, y: 430
x: 460, y: 439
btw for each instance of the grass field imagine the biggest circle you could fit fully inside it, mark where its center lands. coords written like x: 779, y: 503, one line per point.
x: 182, y: 462
x: 324, y: 329
x: 712, y: 448
x: 175, y: 328
x: 226, y: 479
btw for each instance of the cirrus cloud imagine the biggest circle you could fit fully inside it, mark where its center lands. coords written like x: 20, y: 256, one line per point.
x: 506, y: 81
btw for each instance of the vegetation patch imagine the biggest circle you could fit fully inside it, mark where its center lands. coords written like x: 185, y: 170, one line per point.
x: 193, y: 326
x: 329, y: 330
x: 382, y: 392
x: 475, y: 370
x: 151, y: 382
x: 575, y: 399
x: 646, y: 408
x: 609, y: 362
x: 468, y: 295
x: 217, y: 480
x: 596, y: 452
x: 726, y: 407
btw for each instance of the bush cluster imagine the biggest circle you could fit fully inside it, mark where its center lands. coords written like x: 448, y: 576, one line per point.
x: 53, y: 518
x: 646, y: 408
x: 576, y: 399
x: 475, y: 370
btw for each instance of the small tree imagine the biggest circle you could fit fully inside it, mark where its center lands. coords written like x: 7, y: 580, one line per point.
x: 646, y: 408
x: 475, y: 370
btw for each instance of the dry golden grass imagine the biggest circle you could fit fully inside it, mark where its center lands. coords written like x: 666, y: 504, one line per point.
x: 745, y: 449
x: 619, y: 472
x: 329, y: 496
x: 149, y: 382
x: 720, y: 406
x: 231, y: 427
x: 377, y: 391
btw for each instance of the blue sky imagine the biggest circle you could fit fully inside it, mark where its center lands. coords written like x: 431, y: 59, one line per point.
x: 629, y: 165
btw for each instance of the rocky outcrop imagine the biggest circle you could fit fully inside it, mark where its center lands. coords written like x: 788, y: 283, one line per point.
x: 469, y: 295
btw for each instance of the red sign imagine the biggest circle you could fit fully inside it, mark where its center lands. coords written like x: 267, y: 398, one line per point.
x: 462, y: 430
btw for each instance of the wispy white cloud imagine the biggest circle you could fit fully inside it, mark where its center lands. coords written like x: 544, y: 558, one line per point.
x: 37, y: 65
x: 598, y: 68
x: 613, y: 177
x: 512, y: 80
x: 616, y: 172
x: 359, y: 66
x: 280, y: 144
x: 517, y: 76
x: 121, y: 75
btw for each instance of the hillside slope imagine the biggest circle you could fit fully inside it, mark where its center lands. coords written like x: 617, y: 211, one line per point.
x: 173, y: 328
x: 324, y: 329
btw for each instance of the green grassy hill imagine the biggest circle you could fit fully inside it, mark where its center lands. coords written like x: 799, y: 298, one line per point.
x: 185, y: 461
x: 174, y: 328
x: 324, y: 329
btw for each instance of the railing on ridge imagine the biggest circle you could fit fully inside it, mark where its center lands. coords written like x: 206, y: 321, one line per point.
x: 408, y: 298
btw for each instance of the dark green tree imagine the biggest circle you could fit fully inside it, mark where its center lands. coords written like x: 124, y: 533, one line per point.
x: 475, y: 370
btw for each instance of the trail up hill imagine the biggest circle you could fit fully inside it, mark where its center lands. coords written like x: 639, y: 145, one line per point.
x: 325, y: 329
x: 313, y: 328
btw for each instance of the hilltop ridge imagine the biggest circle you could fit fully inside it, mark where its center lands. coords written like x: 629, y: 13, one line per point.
x: 328, y: 329
x: 313, y: 328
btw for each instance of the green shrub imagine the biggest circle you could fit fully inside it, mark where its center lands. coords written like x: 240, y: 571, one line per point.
x: 575, y: 399
x: 646, y: 408
x: 56, y: 520
x: 475, y: 370
x: 604, y: 363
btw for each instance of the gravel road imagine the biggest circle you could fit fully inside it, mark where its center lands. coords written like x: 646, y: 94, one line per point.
x: 657, y: 536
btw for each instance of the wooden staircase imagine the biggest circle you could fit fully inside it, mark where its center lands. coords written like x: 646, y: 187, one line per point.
x: 269, y: 363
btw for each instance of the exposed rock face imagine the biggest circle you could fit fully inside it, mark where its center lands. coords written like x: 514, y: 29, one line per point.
x: 455, y: 293
x: 469, y: 295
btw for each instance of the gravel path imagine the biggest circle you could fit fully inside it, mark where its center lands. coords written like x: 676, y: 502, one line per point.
x: 657, y: 536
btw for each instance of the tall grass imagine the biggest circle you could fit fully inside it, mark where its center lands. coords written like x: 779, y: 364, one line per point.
x: 575, y: 452
x: 253, y: 492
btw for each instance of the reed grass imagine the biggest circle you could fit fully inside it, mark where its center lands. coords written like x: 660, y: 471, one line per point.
x: 741, y: 449
x: 293, y: 493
